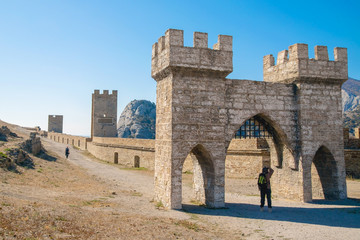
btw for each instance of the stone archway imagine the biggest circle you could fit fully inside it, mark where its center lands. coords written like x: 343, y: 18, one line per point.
x: 249, y: 149
x: 196, y: 103
x: 203, y: 176
x: 260, y: 142
x: 324, y: 177
x: 261, y: 126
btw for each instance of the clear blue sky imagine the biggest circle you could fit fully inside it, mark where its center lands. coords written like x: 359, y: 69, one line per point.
x: 53, y: 53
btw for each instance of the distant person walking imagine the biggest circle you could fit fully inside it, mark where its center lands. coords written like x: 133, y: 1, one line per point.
x: 265, y: 187
x: 67, y: 152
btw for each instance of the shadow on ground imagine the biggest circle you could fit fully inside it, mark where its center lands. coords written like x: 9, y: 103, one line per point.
x: 330, y: 216
x: 45, y: 156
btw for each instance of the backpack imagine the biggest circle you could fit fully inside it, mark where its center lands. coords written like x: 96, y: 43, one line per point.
x: 262, y: 183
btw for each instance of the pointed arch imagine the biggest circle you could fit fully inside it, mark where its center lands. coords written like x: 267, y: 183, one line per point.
x: 280, y: 147
x: 324, y: 177
x: 203, y: 175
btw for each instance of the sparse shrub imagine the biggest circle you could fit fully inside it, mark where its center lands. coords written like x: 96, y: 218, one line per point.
x: 159, y: 205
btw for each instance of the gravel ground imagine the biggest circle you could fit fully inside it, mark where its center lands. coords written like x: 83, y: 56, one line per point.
x: 84, y: 198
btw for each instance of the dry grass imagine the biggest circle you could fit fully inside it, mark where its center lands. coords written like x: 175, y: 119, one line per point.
x: 57, y: 200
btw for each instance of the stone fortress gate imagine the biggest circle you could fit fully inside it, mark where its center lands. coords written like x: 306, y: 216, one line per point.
x: 199, y: 110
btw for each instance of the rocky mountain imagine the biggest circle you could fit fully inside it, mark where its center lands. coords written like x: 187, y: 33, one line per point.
x: 138, y: 120
x: 351, y: 94
x: 351, y: 104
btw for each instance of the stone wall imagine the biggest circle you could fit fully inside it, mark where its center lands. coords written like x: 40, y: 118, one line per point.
x: 125, y: 151
x: 245, y: 158
x: 352, y: 162
x: 35, y: 143
x: 351, y: 142
x: 77, y: 141
x: 352, y: 153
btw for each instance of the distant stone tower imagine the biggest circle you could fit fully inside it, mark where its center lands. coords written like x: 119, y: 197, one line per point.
x: 104, y: 114
x: 55, y: 123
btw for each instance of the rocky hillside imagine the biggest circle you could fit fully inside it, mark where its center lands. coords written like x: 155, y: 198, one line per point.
x: 351, y: 94
x: 138, y: 120
x: 351, y: 104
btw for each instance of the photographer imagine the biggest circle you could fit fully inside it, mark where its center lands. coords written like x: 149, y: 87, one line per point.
x: 265, y: 187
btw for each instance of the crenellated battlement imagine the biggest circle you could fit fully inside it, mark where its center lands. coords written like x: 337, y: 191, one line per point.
x: 105, y: 93
x: 294, y: 65
x: 170, y: 52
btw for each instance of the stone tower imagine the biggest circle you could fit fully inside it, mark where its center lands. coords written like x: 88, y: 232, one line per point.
x: 55, y: 123
x: 188, y: 117
x: 104, y: 114
x: 317, y: 83
x: 198, y: 110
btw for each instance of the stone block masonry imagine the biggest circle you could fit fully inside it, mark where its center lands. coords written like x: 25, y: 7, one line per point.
x: 298, y: 65
x: 245, y: 158
x: 55, y: 123
x: 104, y: 114
x: 199, y: 110
x: 76, y: 141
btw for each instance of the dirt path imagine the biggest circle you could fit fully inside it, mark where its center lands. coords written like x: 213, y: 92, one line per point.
x: 289, y: 220
x: 84, y: 198
x: 136, y: 182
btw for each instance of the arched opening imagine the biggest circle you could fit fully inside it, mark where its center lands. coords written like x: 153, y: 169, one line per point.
x: 201, y: 179
x: 324, y: 177
x: 67, y: 141
x: 116, y: 158
x: 136, y: 162
x: 72, y: 142
x: 62, y: 140
x: 257, y: 143
x: 58, y: 139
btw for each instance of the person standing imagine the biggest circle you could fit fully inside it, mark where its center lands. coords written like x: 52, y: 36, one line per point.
x: 67, y: 152
x: 265, y: 187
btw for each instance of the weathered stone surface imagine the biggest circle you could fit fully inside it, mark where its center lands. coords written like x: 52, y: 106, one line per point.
x: 76, y: 141
x: 6, y: 162
x: 137, y: 120
x: 198, y: 111
x: 20, y: 157
x: 33, y: 144
x: 352, y: 162
x: 104, y: 114
x: 55, y: 123
x: 5, y: 133
x: 298, y: 66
